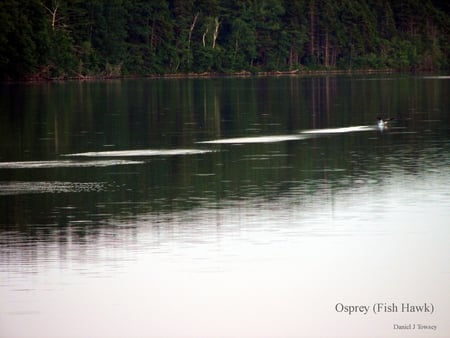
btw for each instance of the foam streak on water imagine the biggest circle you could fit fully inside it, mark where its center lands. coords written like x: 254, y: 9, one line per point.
x: 339, y: 130
x: 141, y: 152
x: 63, y: 164
x: 257, y: 139
x: 290, y: 137
x: 32, y: 187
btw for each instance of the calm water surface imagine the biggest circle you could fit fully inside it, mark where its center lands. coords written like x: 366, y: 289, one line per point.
x: 254, y: 207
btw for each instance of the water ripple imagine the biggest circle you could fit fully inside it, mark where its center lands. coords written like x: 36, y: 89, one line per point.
x: 20, y: 187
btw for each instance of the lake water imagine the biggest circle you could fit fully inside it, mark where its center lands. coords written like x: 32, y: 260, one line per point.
x: 225, y: 207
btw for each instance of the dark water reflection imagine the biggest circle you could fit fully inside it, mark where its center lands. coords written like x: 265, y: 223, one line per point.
x: 143, y: 184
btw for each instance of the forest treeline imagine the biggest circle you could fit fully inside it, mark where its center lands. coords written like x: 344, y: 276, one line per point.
x: 47, y: 39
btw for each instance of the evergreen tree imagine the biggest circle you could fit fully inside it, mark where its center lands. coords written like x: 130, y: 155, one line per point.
x: 149, y: 37
x: 295, y: 25
x: 239, y: 28
x: 18, y: 55
x: 76, y: 38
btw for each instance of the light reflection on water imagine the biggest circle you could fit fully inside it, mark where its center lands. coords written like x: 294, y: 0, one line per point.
x: 239, y: 262
x: 253, y: 236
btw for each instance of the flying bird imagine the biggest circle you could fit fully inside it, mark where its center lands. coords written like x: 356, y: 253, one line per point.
x: 383, y: 121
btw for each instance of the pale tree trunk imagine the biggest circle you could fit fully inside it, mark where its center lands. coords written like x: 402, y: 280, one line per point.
x: 192, y: 29
x: 204, y: 37
x: 216, y: 32
x: 53, y: 13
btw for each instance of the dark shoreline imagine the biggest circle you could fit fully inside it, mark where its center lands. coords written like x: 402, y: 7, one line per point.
x: 244, y: 74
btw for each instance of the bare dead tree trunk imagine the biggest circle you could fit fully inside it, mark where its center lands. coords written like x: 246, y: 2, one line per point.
x: 204, y: 37
x: 192, y: 29
x: 53, y: 13
x: 216, y: 32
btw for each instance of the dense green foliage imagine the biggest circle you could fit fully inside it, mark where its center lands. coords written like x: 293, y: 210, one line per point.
x: 78, y: 38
